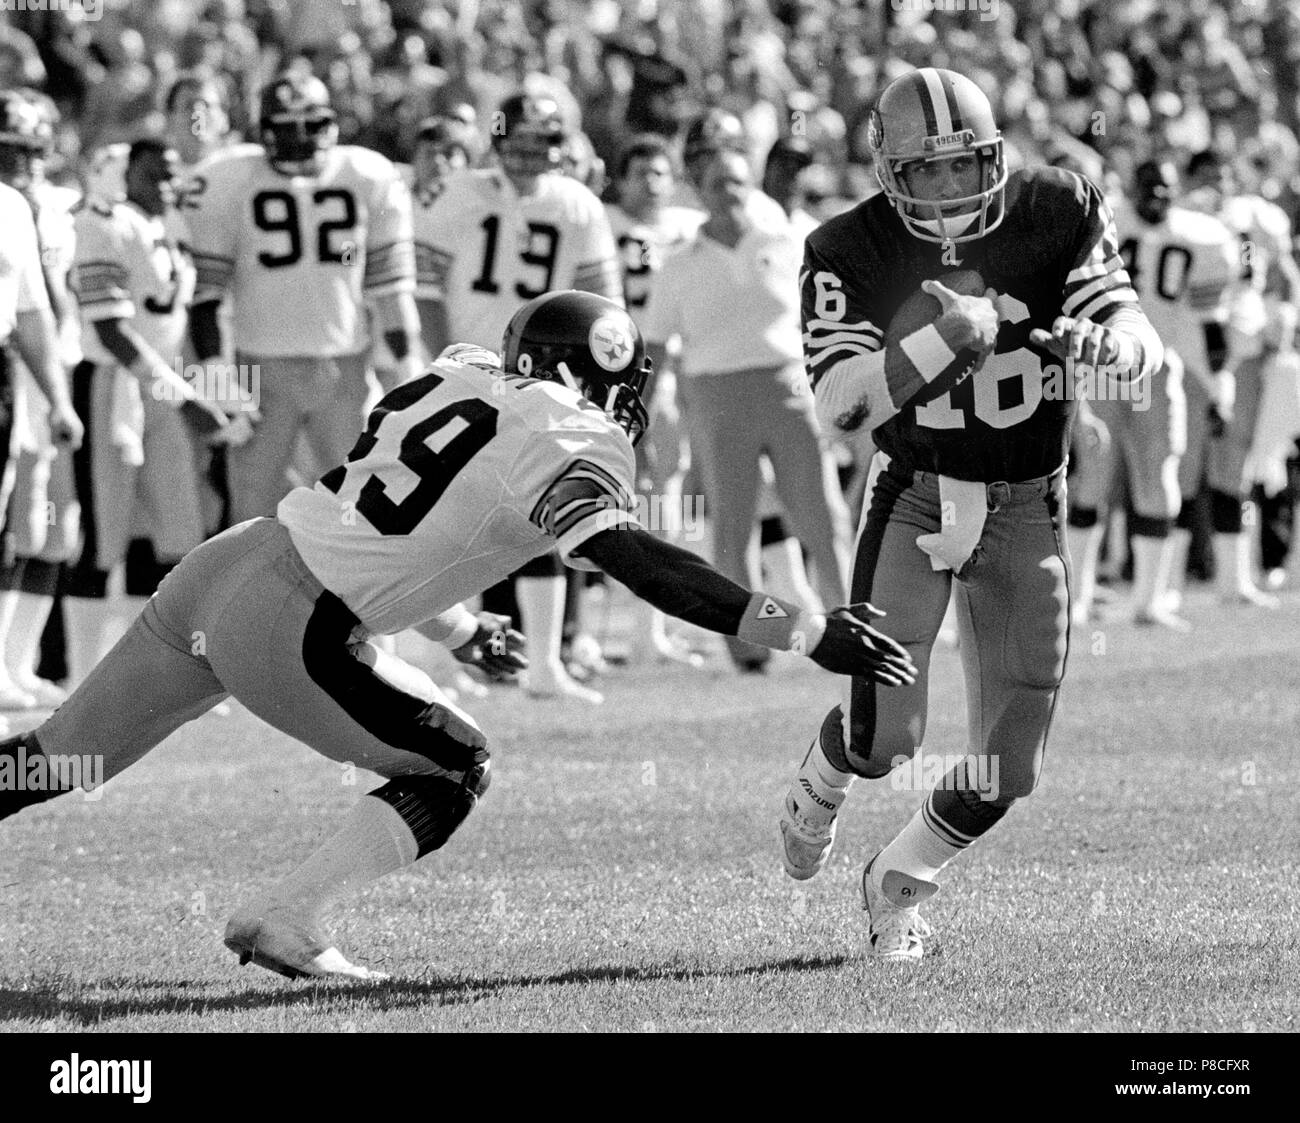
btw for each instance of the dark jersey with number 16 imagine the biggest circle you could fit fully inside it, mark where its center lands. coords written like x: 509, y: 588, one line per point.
x: 1055, y: 253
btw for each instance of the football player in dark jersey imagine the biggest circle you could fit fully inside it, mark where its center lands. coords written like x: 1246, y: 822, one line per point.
x: 972, y: 413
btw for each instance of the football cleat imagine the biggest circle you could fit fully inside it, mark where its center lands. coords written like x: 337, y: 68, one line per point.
x: 1159, y: 616
x: 808, y: 820
x: 896, y: 928
x: 280, y: 941
x: 1249, y: 597
x: 561, y: 686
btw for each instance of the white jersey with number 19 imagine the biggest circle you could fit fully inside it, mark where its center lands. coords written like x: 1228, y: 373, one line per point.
x: 461, y: 476
x: 483, y: 249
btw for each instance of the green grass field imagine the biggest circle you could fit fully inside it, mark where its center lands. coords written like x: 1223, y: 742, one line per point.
x: 624, y: 871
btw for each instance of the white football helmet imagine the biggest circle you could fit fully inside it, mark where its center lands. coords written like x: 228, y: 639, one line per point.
x: 932, y: 114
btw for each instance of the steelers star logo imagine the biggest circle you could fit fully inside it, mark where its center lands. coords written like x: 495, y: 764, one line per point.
x: 610, y: 341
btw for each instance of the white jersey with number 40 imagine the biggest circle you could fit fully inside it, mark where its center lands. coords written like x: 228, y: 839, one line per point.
x: 483, y: 249
x: 297, y: 254
x: 1184, y: 270
x: 461, y: 476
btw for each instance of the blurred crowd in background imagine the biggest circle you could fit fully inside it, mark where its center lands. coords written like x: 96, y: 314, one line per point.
x: 1096, y: 85
x: 1111, y: 81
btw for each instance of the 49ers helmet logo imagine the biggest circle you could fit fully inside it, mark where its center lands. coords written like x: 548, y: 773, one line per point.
x: 611, y: 343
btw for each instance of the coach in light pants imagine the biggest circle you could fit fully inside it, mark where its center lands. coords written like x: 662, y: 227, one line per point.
x: 732, y: 297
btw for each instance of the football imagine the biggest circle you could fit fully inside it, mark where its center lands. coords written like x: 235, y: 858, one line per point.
x: 920, y: 309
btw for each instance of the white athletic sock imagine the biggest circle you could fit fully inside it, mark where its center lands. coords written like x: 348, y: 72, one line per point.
x: 1150, y: 572
x: 1232, y: 563
x: 8, y: 611
x: 1180, y: 545
x: 916, y: 851
x: 541, y: 612
x: 24, y: 639
x: 824, y: 784
x: 785, y: 576
x: 373, y: 841
x: 87, y: 620
x: 1085, y: 549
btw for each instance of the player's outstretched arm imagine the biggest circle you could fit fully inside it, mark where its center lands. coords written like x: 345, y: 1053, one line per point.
x: 686, y: 586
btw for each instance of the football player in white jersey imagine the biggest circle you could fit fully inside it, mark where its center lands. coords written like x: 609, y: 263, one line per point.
x: 133, y: 284
x: 495, y: 238
x: 301, y: 233
x: 1183, y: 265
x: 646, y: 228
x: 443, y: 146
x: 460, y: 476
x: 43, y: 516
x: 1261, y: 323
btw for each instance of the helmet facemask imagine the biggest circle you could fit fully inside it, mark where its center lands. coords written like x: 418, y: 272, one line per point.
x: 948, y: 221
x: 621, y: 401
x: 295, y: 142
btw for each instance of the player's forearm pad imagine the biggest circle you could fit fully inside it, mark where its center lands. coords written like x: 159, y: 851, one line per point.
x: 772, y: 622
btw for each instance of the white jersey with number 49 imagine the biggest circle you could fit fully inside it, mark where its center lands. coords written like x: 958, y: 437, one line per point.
x: 461, y: 476
x: 483, y: 249
x: 1184, y: 270
x: 297, y: 254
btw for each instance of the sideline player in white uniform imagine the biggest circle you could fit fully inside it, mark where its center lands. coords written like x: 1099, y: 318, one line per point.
x: 494, y: 239
x: 300, y: 233
x: 43, y: 516
x: 647, y: 228
x: 133, y: 284
x: 1182, y: 264
x: 1261, y: 319
x: 516, y: 457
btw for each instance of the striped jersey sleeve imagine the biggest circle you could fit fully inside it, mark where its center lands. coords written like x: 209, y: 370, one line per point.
x: 843, y: 347
x: 390, y: 253
x: 213, y: 217
x: 1097, y: 285
x: 597, y: 269
x: 1215, y: 271
x: 100, y: 272
x: 835, y: 325
x: 582, y: 501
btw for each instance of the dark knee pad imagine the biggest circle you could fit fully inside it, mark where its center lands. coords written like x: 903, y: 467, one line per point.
x: 144, y: 570
x: 1225, y: 512
x: 25, y: 775
x: 40, y: 577
x: 11, y: 574
x: 86, y: 580
x: 1186, y: 515
x: 434, y: 806
x: 1149, y: 526
x: 835, y: 750
x: 1082, y: 518
x: 771, y: 531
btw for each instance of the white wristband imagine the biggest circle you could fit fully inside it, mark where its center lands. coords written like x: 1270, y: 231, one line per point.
x: 927, y: 352
x: 464, y: 631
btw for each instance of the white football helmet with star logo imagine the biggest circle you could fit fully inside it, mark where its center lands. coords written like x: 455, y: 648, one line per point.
x: 587, y: 343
